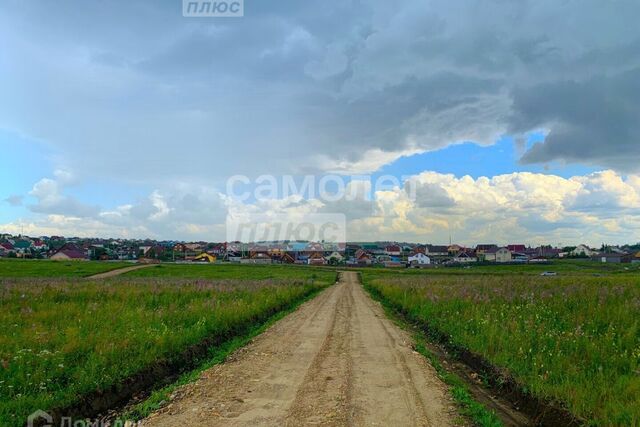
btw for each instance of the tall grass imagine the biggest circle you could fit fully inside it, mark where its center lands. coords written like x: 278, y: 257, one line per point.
x: 62, y: 339
x: 234, y: 271
x: 575, y: 340
x: 48, y: 268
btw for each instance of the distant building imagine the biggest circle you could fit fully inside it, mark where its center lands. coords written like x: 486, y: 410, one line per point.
x: 435, y: 250
x: 335, y: 257
x: 419, y: 259
x: 465, y: 257
x: 69, y: 255
x: 500, y: 255
x: 363, y: 258
x: 481, y: 249
x: 613, y: 258
x: 517, y: 248
x: 316, y: 258
x: 393, y: 250
x: 582, y: 251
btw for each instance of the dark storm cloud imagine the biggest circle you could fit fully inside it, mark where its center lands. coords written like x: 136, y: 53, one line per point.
x: 301, y: 86
x: 595, y: 121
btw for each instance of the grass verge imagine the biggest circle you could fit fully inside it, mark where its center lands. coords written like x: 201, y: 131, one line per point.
x: 158, y: 398
x: 78, y: 348
x: 476, y: 412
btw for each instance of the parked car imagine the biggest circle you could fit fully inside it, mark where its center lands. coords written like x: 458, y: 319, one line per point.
x: 549, y: 273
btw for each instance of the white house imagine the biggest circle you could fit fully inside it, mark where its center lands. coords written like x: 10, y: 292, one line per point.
x: 498, y: 255
x: 335, y: 256
x: 465, y: 257
x: 582, y: 250
x: 419, y: 259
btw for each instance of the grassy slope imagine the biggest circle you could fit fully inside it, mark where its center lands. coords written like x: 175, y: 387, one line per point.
x: 575, y: 339
x: 46, y: 268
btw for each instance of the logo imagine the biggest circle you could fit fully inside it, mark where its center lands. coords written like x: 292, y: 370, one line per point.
x: 39, y: 418
x: 213, y: 8
x: 282, y: 227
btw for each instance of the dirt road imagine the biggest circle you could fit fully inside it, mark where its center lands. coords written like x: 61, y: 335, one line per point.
x: 336, y: 361
x: 119, y: 271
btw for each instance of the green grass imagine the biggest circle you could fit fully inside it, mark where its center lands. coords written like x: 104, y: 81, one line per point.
x: 65, y: 339
x: 47, y: 268
x: 475, y: 411
x: 574, y: 339
x: 234, y: 271
x: 567, y: 267
x: 160, y: 397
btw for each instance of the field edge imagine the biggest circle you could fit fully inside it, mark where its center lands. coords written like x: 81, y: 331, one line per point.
x: 541, y: 411
x: 97, y: 404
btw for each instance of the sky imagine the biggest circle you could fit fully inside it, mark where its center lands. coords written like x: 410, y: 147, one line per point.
x: 513, y: 121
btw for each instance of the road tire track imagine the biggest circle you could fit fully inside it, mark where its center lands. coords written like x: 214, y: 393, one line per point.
x: 335, y: 361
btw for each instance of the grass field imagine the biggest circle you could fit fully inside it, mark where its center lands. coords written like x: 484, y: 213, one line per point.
x: 575, y: 339
x: 65, y: 338
x: 572, y: 267
x: 232, y: 271
x: 45, y: 268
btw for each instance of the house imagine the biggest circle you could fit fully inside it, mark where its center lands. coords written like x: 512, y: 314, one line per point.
x: 420, y: 249
x: 548, y: 252
x: 69, y: 255
x: 316, y: 258
x: 6, y: 247
x: 636, y: 258
x: 193, y: 247
x: 335, y: 257
x: 393, y: 250
x: 519, y: 257
x: 517, y: 248
x: 483, y: 248
x: 500, y: 255
x: 218, y: 249
x: 373, y: 248
x: 362, y: 257
x: 613, y: 258
x: 179, y: 247
x: 287, y: 258
x: 465, y: 257
x: 313, y: 247
x: 418, y: 259
x: 22, y: 246
x: 582, y: 251
x: 454, y: 249
x: 434, y: 250
x: 205, y: 257
x: 39, y: 245
x: 144, y: 250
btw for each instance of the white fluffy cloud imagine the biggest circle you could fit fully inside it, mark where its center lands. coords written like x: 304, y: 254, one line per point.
x: 430, y: 207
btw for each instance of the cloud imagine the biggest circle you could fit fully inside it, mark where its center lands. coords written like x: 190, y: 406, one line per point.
x: 592, y: 121
x: 343, y: 87
x: 51, y: 200
x: 429, y: 207
x: 15, y: 200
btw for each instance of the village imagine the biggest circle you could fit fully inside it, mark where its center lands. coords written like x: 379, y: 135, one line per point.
x: 358, y: 254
